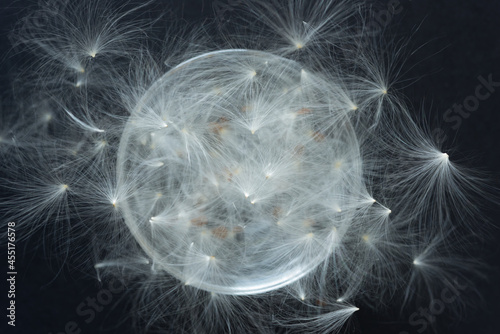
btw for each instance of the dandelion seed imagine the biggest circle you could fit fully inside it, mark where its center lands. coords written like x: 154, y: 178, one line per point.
x: 151, y: 157
x: 220, y: 232
x: 304, y: 111
x: 200, y: 221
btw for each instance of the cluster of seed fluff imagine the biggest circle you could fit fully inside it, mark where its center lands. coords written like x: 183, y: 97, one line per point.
x: 269, y: 178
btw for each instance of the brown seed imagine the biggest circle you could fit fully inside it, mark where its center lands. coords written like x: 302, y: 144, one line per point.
x: 277, y: 211
x: 238, y: 229
x: 229, y: 175
x: 246, y: 108
x: 220, y: 232
x: 219, y: 126
x: 200, y: 221
x: 304, y: 111
x: 321, y: 303
x: 318, y: 136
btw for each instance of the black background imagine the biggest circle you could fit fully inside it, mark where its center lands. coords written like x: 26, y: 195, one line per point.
x: 458, y: 40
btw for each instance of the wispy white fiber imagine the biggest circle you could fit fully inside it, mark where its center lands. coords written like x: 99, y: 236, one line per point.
x: 260, y: 177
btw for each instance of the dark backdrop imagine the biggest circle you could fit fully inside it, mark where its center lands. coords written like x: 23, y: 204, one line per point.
x: 458, y: 41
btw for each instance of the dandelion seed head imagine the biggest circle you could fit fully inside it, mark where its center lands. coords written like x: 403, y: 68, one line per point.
x: 245, y: 154
x: 233, y: 181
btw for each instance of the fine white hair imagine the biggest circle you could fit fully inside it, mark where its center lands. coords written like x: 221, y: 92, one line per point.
x: 261, y: 177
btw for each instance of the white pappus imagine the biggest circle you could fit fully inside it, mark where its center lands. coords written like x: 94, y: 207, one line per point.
x: 260, y: 177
